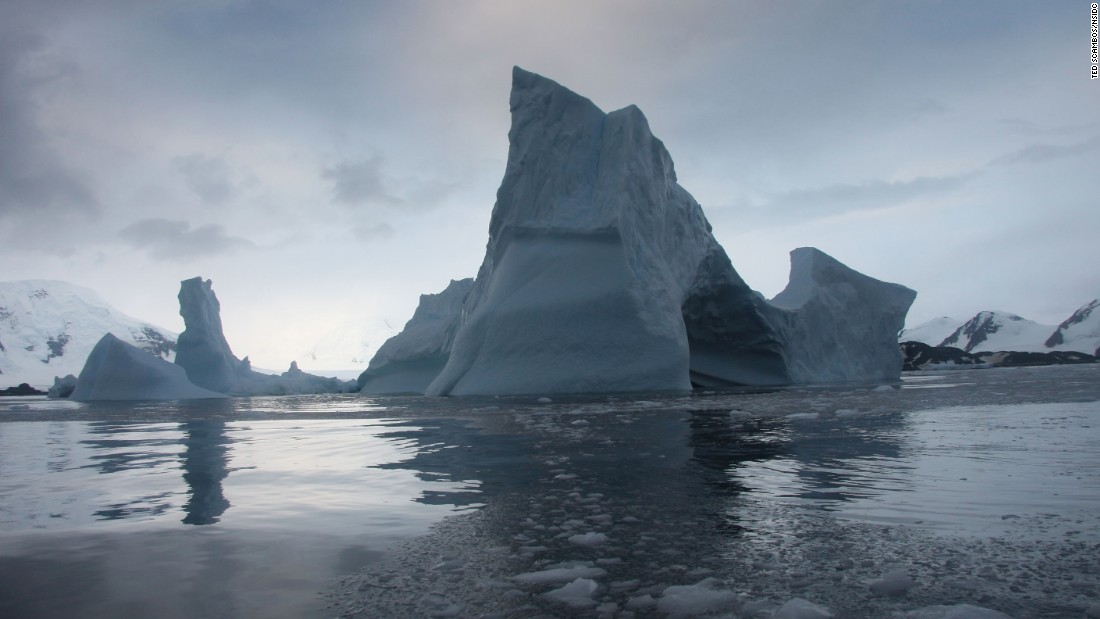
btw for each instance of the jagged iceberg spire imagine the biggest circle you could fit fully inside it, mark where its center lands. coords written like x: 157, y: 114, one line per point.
x: 202, y: 350
x: 592, y: 244
x: 601, y: 274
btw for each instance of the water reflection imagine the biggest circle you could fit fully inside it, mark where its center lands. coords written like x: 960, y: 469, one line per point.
x: 128, y: 447
x: 720, y: 444
x: 839, y: 463
x: 662, y: 450
x: 205, y: 461
x: 461, y: 451
x: 125, y: 448
x: 148, y: 505
x: 127, y: 452
x: 671, y: 457
x: 515, y: 458
x: 828, y: 462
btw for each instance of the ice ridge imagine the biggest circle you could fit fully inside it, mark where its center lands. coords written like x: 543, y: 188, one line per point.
x: 601, y: 274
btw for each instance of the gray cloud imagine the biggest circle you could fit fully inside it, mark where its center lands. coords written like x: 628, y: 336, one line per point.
x: 359, y: 182
x: 373, y: 233
x: 167, y: 239
x: 814, y: 112
x: 208, y: 177
x: 33, y: 177
x: 1020, y: 125
x: 1040, y: 153
x: 809, y: 204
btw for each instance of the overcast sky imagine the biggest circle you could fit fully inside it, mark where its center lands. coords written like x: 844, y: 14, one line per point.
x: 325, y: 163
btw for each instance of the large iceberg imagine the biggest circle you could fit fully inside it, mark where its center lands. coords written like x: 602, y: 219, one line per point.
x: 410, y: 360
x: 202, y: 349
x: 601, y: 274
x: 204, y: 353
x: 116, y: 370
x: 838, y: 325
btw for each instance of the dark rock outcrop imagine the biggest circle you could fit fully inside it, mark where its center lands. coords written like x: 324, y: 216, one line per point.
x: 21, y: 389
x: 921, y: 356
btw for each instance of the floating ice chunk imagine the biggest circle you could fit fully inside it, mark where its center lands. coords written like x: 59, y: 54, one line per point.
x: 545, y: 400
x: 577, y: 593
x: 798, y: 608
x: 804, y: 416
x: 758, y: 608
x: 607, y: 609
x: 449, y: 564
x: 588, y: 539
x: 884, y: 388
x: 639, y: 602
x: 703, y: 597
x: 895, y: 582
x: 958, y: 611
x: 559, y: 575
x: 700, y: 571
x: 620, y: 586
x: 451, y: 610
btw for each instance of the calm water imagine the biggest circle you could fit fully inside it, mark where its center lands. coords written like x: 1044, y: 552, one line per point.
x: 982, y: 485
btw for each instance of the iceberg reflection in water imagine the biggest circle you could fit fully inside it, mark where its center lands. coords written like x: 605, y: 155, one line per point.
x: 981, y: 484
x: 204, y: 465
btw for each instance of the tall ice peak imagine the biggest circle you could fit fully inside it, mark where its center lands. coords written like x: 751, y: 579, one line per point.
x: 202, y: 350
x: 601, y: 274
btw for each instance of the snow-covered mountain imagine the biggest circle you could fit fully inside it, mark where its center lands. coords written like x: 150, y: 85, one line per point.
x: 1003, y: 331
x: 932, y: 332
x: 995, y: 330
x: 48, y: 328
x: 1080, y: 332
